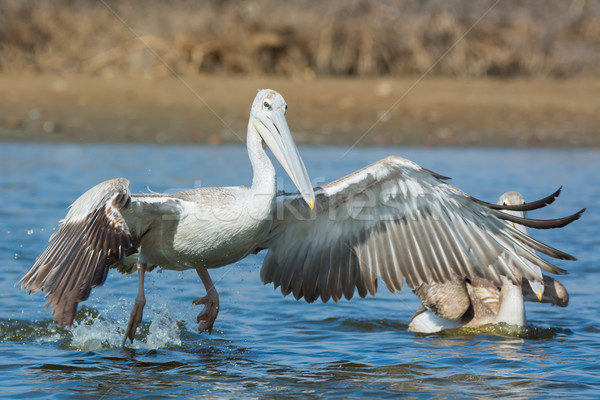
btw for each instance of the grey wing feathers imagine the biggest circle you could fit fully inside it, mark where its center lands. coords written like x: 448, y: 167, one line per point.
x: 394, y: 220
x: 92, y: 236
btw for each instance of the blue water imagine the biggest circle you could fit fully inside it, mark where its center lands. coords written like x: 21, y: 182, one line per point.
x: 265, y: 345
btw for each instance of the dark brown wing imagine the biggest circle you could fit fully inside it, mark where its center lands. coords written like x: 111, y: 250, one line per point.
x: 92, y: 237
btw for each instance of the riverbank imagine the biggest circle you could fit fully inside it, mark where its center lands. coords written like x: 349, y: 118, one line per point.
x: 367, y: 111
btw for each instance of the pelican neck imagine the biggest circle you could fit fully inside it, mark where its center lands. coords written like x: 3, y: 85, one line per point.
x: 263, y: 181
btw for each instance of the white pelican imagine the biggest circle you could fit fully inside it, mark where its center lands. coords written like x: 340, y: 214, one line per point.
x: 476, y: 302
x: 199, y: 229
x: 393, y: 219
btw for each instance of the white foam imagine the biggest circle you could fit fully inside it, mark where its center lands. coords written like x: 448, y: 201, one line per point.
x: 99, y: 332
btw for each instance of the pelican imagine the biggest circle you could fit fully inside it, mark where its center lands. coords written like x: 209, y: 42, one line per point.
x: 194, y: 229
x: 476, y: 302
x: 394, y: 219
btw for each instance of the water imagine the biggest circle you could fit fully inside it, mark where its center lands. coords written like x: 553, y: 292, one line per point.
x: 265, y: 345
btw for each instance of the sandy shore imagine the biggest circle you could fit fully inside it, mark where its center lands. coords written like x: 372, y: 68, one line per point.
x: 383, y: 111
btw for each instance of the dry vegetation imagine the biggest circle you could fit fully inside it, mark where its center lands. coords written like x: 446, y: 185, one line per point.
x: 55, y: 57
x: 555, y: 38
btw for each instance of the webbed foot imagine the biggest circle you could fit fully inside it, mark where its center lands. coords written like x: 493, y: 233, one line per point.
x: 209, y: 313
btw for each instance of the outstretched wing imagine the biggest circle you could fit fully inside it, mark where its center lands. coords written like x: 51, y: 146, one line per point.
x: 395, y: 219
x: 92, y: 236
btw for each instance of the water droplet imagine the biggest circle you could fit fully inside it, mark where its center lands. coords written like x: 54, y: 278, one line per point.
x: 30, y: 232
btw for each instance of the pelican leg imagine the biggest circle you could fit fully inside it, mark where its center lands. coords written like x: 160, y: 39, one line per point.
x: 138, y: 307
x: 210, y: 301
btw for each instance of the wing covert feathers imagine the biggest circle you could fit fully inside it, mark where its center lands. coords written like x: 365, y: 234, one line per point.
x: 396, y: 220
x: 92, y: 236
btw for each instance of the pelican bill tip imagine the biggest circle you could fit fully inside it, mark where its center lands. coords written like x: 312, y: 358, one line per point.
x: 539, y: 295
x: 311, y: 204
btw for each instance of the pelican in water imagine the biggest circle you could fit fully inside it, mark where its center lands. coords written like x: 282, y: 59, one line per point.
x: 472, y: 302
x: 194, y: 229
x: 394, y: 219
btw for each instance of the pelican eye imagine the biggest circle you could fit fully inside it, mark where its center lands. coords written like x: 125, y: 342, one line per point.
x: 286, y: 107
x: 266, y: 104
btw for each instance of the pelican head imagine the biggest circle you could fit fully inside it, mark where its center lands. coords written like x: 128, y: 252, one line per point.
x: 267, y: 117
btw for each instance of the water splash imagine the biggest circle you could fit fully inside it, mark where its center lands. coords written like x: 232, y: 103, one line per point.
x: 164, y: 331
x: 94, y: 331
